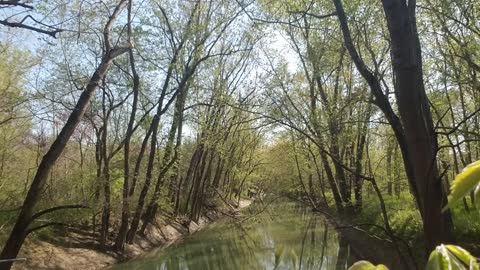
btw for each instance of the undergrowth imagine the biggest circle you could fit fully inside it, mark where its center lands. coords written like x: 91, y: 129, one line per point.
x: 406, y: 222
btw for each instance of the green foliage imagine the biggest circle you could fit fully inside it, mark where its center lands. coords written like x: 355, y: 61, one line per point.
x: 364, y: 265
x: 13, y: 67
x: 281, y: 92
x: 14, y: 64
x: 408, y: 223
x: 283, y: 7
x: 404, y: 218
x: 465, y: 182
x: 446, y: 257
x: 467, y: 223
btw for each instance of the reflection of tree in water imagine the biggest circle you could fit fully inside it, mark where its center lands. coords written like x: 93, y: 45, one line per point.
x: 343, y: 258
x: 285, y: 236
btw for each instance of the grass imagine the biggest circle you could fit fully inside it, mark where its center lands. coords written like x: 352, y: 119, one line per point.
x: 467, y: 227
x: 402, y: 212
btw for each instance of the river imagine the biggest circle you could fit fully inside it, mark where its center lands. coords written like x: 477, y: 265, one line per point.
x: 286, y: 235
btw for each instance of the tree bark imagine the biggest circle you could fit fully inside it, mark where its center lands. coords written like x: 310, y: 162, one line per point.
x: 417, y: 120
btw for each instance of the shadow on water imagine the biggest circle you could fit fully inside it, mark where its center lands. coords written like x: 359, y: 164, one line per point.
x: 286, y: 235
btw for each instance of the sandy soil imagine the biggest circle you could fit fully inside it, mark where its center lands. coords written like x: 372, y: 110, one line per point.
x: 77, y: 250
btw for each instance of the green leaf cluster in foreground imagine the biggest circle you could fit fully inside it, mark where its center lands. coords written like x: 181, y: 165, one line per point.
x: 465, y: 182
x: 451, y: 257
x: 365, y: 265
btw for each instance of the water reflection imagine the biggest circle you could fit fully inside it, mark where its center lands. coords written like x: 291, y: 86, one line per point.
x: 285, y: 236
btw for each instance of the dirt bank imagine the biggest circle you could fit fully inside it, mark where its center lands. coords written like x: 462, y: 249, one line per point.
x: 77, y: 249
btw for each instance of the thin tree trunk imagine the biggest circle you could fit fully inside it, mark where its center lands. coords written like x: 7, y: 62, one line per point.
x: 106, y: 174
x: 122, y: 233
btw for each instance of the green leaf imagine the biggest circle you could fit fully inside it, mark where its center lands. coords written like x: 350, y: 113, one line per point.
x: 438, y: 259
x: 365, y: 265
x: 466, y: 181
x: 464, y: 256
x: 450, y: 257
x: 362, y: 265
x: 476, y: 194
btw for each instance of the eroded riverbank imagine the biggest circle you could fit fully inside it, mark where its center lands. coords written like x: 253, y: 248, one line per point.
x: 280, y: 235
x: 77, y: 249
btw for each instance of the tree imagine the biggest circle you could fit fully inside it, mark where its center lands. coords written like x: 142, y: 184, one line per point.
x: 12, y: 71
x: 27, y: 214
x: 414, y: 129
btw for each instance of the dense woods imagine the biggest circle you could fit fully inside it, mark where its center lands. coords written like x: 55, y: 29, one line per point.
x: 118, y: 112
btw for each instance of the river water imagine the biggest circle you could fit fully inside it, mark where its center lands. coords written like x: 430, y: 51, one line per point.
x: 286, y: 235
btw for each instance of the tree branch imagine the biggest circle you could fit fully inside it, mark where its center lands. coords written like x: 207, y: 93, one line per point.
x: 29, y: 231
x: 52, y: 33
x: 53, y: 209
x: 15, y: 3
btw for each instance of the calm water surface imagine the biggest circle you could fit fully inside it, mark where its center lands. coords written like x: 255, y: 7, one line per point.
x: 284, y: 236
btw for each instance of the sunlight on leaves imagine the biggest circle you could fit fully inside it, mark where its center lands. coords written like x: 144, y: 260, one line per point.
x: 446, y: 257
x: 465, y: 182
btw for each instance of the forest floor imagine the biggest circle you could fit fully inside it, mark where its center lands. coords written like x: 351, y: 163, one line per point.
x: 77, y: 249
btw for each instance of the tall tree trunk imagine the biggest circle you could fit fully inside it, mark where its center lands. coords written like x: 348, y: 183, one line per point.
x: 154, y: 133
x: 98, y: 179
x: 320, y: 176
x: 106, y: 174
x: 358, y: 181
x: 417, y: 120
x: 205, y: 180
x: 170, y: 157
x: 197, y: 184
x: 396, y: 173
x: 323, y: 157
x: 331, y: 180
x: 389, y: 153
x: 138, y: 162
x: 340, y: 173
x: 189, y: 177
x: 122, y: 233
x: 148, y: 177
x: 218, y: 171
